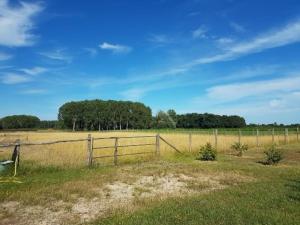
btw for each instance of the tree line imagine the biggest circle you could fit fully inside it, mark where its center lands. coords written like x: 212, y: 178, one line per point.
x: 119, y: 115
x: 104, y: 115
x: 19, y: 122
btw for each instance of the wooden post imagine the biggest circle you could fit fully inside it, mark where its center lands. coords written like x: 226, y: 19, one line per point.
x: 216, y: 138
x: 240, y: 134
x: 190, y: 142
x: 273, y: 133
x: 257, y: 134
x: 17, y: 157
x: 116, y: 152
x: 286, y: 135
x: 297, y: 134
x: 90, y: 149
x: 157, y: 145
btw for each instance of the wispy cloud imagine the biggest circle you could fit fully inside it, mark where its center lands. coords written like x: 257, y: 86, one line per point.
x: 236, y: 91
x: 4, y: 56
x: 200, y: 32
x: 92, y: 51
x: 139, y: 91
x: 34, y: 91
x: 16, y: 23
x: 58, y: 55
x: 34, y: 71
x: 250, y: 72
x: 225, y: 41
x: 115, y: 48
x: 237, y: 27
x: 261, y: 100
x: 13, y: 78
x: 160, y: 39
x: 279, y: 37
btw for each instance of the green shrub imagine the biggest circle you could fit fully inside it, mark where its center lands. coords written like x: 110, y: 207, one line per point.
x: 239, y: 148
x: 207, y: 153
x: 273, y: 155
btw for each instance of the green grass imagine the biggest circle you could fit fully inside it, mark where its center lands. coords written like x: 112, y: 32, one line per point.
x: 256, y: 203
x: 272, y: 197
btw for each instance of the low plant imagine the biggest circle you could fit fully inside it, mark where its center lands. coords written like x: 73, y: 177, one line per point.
x: 239, y: 148
x: 207, y: 153
x: 273, y: 155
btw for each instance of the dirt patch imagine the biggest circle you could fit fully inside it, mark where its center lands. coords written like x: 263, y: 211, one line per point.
x: 112, y: 196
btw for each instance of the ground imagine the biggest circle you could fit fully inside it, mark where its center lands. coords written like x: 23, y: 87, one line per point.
x: 173, y: 190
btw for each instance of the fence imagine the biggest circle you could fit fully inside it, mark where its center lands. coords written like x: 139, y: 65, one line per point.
x: 88, y: 149
x: 92, y: 148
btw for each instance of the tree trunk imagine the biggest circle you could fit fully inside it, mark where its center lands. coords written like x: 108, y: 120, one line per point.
x: 127, y: 125
x: 99, y: 126
x: 74, y: 125
x: 120, y: 124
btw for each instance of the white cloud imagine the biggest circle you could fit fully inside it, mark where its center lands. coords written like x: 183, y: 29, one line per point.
x: 286, y: 35
x: 199, y: 32
x: 4, y: 56
x: 58, y: 55
x: 115, y: 48
x: 237, y: 27
x: 13, y: 78
x: 236, y: 91
x: 264, y: 101
x: 34, y: 71
x: 33, y: 91
x: 16, y: 23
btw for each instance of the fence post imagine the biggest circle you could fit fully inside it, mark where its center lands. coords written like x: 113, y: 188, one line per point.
x: 273, y: 133
x: 286, y: 135
x: 297, y: 134
x: 240, y: 134
x: 157, y: 145
x: 257, y: 134
x: 90, y: 149
x: 190, y: 142
x: 17, y: 159
x: 216, y: 138
x: 116, y: 152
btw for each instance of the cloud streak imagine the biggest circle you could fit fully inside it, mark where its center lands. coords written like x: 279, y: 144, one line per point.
x: 34, y: 71
x: 200, y: 32
x: 115, y: 48
x: 57, y: 55
x: 13, y: 78
x: 286, y: 35
x: 236, y: 91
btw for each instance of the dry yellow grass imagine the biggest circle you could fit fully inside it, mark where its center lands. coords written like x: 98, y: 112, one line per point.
x: 75, y: 153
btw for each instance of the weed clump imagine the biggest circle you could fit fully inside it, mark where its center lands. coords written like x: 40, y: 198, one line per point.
x: 273, y: 155
x: 207, y: 153
x: 239, y: 148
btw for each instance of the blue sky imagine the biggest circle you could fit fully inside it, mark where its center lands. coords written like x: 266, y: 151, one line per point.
x: 223, y: 57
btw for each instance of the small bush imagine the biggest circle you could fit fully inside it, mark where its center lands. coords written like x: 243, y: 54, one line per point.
x: 207, y: 153
x: 273, y: 155
x: 239, y: 148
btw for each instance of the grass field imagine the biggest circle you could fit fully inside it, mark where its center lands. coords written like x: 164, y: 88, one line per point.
x: 75, y: 154
x: 175, y: 189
